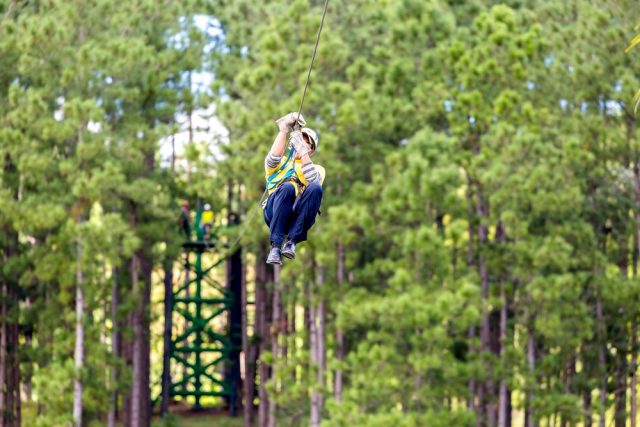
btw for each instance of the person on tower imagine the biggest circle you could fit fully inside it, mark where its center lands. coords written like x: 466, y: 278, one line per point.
x: 185, y: 219
x: 207, y: 221
x: 294, y: 185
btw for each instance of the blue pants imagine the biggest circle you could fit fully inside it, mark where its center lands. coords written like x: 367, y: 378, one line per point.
x: 283, y: 220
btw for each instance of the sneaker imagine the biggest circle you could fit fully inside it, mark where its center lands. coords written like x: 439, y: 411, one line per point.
x: 289, y: 250
x: 274, y: 256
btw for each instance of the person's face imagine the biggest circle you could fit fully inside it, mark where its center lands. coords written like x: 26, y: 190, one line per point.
x: 309, y: 144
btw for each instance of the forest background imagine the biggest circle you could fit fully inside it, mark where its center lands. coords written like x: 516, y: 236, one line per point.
x: 476, y: 262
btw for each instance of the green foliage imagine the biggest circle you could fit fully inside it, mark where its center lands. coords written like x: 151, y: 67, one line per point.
x: 480, y: 156
x: 442, y: 118
x: 89, y: 90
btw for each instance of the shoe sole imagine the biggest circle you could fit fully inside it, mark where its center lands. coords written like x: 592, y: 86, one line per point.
x: 274, y: 262
x: 288, y: 255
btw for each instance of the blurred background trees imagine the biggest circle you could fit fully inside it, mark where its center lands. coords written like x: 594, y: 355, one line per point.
x: 476, y: 262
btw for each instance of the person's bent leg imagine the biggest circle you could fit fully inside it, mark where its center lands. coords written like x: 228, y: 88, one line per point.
x: 305, y: 214
x: 278, y: 212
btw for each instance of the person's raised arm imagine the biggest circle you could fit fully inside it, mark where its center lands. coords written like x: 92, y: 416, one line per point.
x: 284, y: 123
x: 277, y: 149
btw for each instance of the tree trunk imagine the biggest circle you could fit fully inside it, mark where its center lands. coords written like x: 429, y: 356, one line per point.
x: 185, y: 322
x: 284, y: 324
x: 586, y: 406
x: 621, y: 370
x: 313, y: 352
x: 126, y: 343
x: 503, y: 394
x: 173, y: 154
x: 28, y: 339
x: 586, y: 394
x: 531, y: 362
x: 104, y: 301
x: 320, y: 342
x: 3, y: 349
x: 140, y: 353
x: 146, y: 265
x: 13, y: 347
x: 262, y: 317
x: 10, y: 405
x: 634, y: 336
x: 621, y: 390
x: 486, y: 410
x: 140, y: 396
x: 471, y: 333
x: 263, y: 405
x: 10, y: 402
x: 337, y: 388
x: 235, y: 329
x: 569, y: 374
x: 318, y: 353
x: 9, y: 349
x: 291, y: 329
x: 601, y: 361
x: 112, y: 416
x: 472, y: 386
x: 168, y: 326
x: 234, y: 270
x: 307, y: 315
x: 275, y: 326
x: 250, y: 353
x: 79, y: 344
x: 127, y: 351
x: 136, y: 351
x: 509, y: 409
x: 633, y: 414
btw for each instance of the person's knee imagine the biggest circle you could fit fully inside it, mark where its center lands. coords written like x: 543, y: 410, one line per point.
x: 287, y: 191
x: 314, y: 189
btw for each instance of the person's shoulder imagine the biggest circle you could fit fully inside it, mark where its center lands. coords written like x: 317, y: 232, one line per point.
x: 321, y: 171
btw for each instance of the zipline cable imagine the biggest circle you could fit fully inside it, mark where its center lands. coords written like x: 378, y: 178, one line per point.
x: 313, y: 58
x: 249, y: 219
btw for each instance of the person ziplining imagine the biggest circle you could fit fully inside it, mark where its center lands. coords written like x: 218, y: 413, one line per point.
x: 294, y: 186
x: 294, y: 182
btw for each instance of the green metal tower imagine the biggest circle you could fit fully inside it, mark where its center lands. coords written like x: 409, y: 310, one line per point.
x: 201, y: 348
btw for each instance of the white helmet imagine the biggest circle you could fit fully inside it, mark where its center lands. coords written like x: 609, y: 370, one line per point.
x: 207, y: 207
x: 313, y: 136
